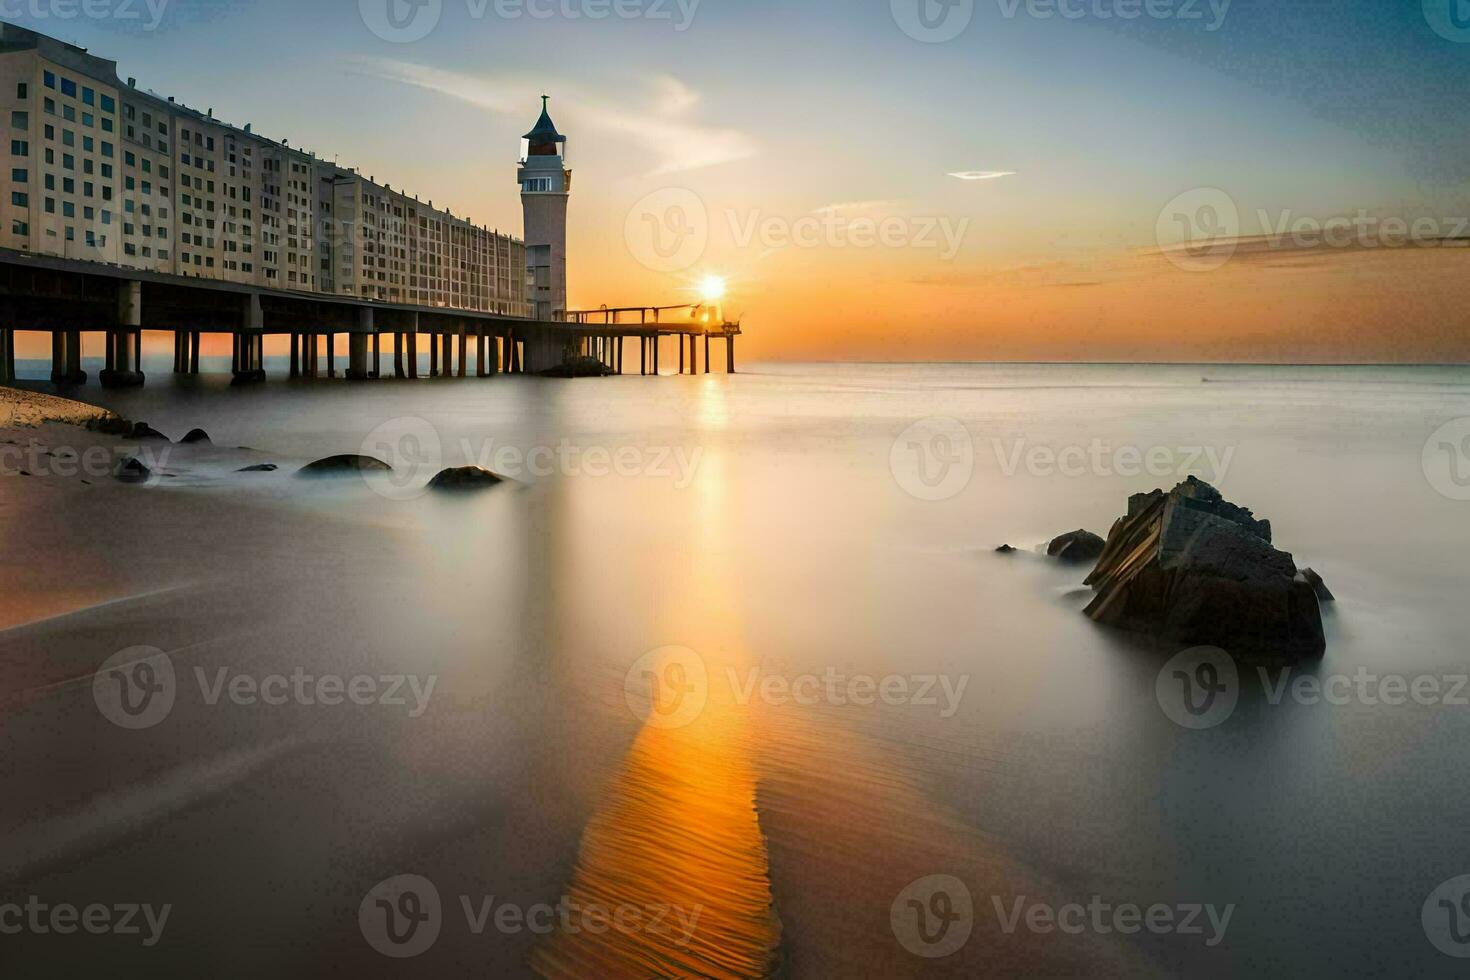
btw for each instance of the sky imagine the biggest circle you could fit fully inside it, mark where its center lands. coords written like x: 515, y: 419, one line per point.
x: 1159, y: 180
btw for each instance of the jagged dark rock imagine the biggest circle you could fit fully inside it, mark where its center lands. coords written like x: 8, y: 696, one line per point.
x: 1192, y: 568
x: 465, y: 478
x: 1005, y: 549
x: 195, y: 436
x: 1318, y: 586
x: 1078, y: 546
x: 259, y: 468
x: 132, y: 470
x: 344, y: 465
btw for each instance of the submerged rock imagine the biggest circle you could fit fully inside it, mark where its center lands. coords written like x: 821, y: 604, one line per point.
x: 133, y: 470
x: 195, y: 436
x: 1077, y: 546
x: 465, y: 478
x: 344, y: 465
x: 1190, y: 567
x: 1005, y: 549
x: 142, y: 430
x: 259, y: 468
x: 579, y: 367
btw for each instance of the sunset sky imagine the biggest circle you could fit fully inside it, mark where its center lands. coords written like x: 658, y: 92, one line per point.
x: 812, y: 141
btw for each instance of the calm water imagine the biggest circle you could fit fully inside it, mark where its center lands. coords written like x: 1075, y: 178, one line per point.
x: 600, y: 642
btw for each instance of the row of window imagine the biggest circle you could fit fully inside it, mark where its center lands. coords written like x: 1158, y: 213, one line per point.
x: 68, y: 88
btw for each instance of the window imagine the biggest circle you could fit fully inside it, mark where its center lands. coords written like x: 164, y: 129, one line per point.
x: 109, y: 104
x: 69, y: 87
x: 68, y: 138
x: 20, y: 175
x: 69, y: 113
x: 20, y: 228
x: 20, y: 120
x: 88, y: 119
x: 20, y: 148
x: 89, y: 97
x: 68, y: 209
x: 50, y: 132
x: 20, y: 199
x: 50, y: 80
x: 106, y: 149
x: 50, y: 106
x: 50, y: 205
x: 22, y: 91
x: 107, y: 125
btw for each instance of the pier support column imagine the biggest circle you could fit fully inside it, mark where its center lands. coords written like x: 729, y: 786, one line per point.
x: 357, y: 345
x: 657, y: 343
x: 7, y: 356
x: 433, y: 355
x: 730, y: 353
x: 680, y: 337
x: 413, y: 348
x: 463, y: 349
x: 250, y: 342
x: 295, y: 354
x: 706, y: 353
x: 492, y: 354
x: 181, y: 352
x: 479, y: 352
x: 120, y: 371
x: 195, y: 339
x: 398, y: 354
x: 331, y: 354
x: 377, y: 353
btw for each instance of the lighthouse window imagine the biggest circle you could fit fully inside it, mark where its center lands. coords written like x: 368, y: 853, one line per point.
x: 538, y: 184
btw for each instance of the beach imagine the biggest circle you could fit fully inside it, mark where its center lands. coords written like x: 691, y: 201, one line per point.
x: 503, y: 742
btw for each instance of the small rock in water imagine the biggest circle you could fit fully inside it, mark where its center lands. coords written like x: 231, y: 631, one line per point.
x: 195, y: 436
x: 1005, y: 549
x: 1190, y: 567
x: 132, y: 470
x: 1078, y: 546
x: 259, y: 468
x: 344, y: 465
x: 142, y: 430
x: 1311, y: 577
x: 465, y: 478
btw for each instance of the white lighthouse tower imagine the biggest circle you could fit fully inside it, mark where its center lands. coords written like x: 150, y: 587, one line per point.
x: 546, y: 184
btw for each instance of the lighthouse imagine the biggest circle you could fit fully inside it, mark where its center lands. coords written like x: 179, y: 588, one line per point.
x: 545, y: 185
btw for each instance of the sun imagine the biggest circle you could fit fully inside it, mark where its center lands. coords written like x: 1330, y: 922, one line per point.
x: 712, y: 288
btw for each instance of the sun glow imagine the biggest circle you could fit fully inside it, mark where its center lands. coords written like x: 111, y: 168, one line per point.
x: 712, y: 288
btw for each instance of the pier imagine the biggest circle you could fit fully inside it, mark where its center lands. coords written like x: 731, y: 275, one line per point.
x: 67, y: 298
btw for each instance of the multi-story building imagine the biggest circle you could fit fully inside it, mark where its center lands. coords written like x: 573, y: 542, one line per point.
x: 97, y: 169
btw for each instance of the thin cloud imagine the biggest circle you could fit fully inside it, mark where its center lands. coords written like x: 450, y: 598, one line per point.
x: 981, y: 174
x: 677, y: 143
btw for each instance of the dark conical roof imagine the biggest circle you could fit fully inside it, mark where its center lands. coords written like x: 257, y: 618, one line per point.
x: 545, y: 131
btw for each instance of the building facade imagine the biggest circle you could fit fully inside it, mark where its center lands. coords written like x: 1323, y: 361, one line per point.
x: 97, y: 169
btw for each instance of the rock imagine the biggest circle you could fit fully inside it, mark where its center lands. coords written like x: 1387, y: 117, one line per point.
x: 195, y: 436
x: 1005, y: 549
x: 1078, y: 546
x: 344, y: 465
x: 579, y: 367
x: 1311, y: 577
x: 259, y: 468
x: 132, y: 470
x: 1192, y: 568
x: 142, y: 430
x: 465, y: 478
